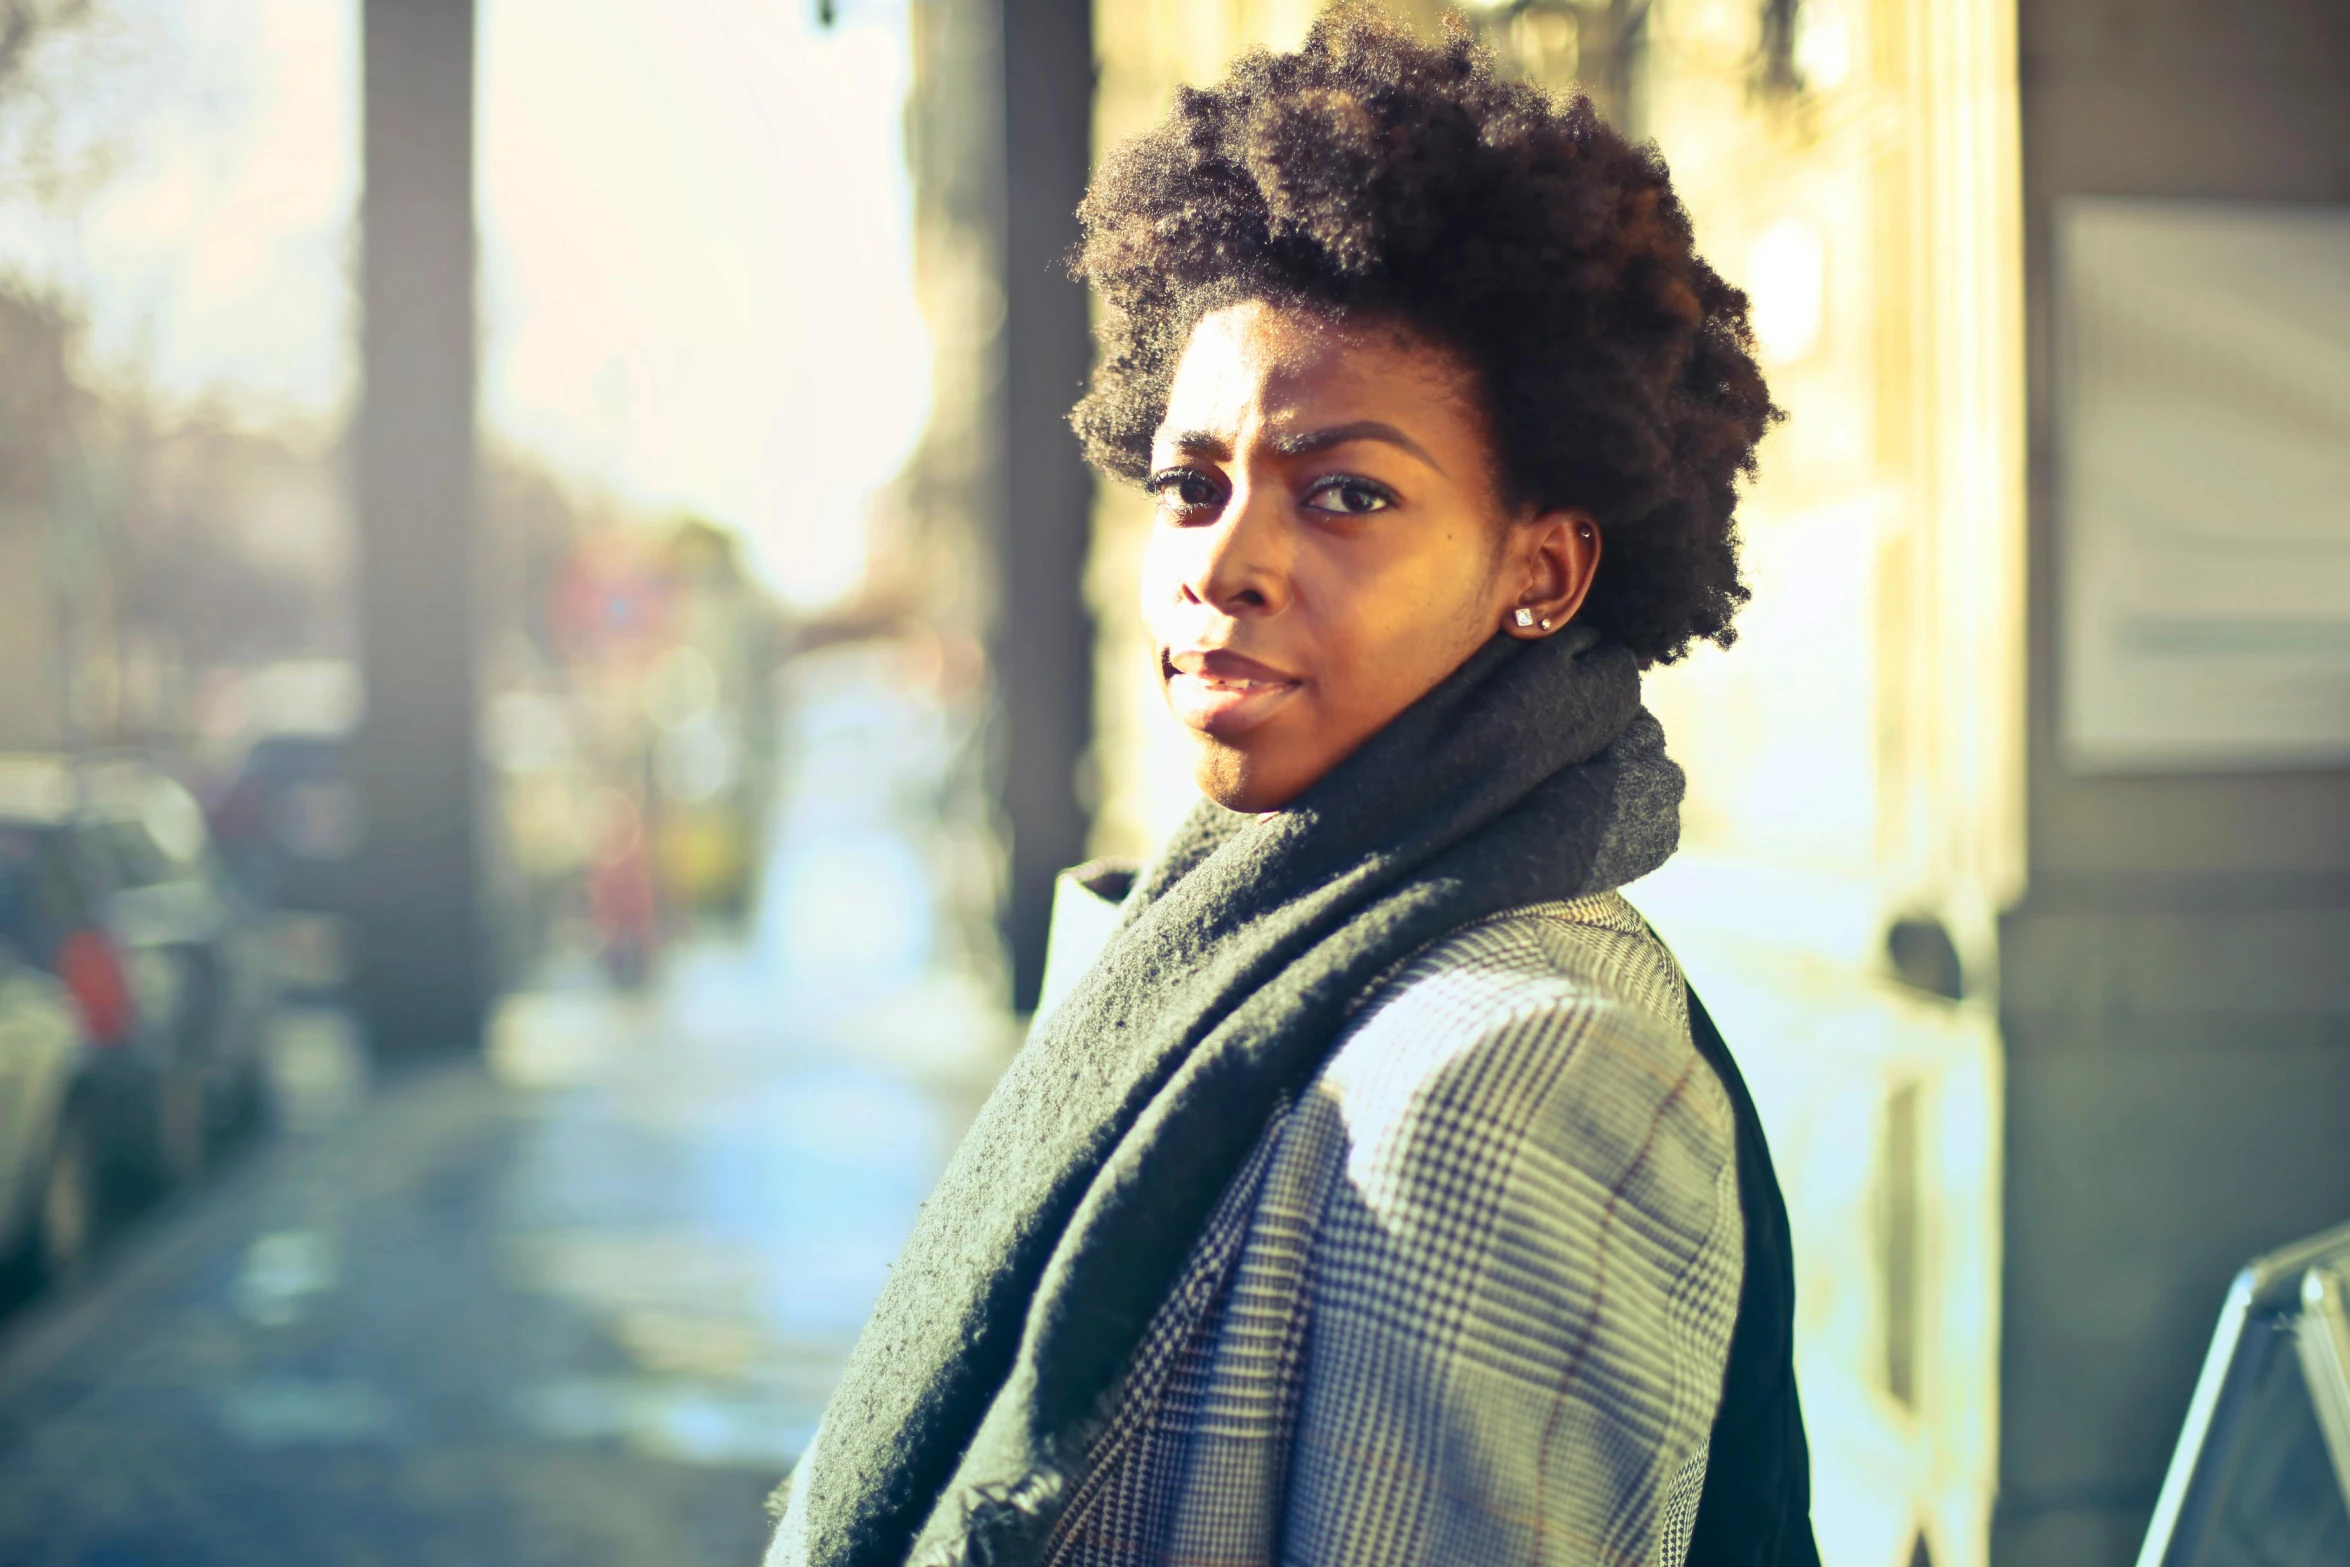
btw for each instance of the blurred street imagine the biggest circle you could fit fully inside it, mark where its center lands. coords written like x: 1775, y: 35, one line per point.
x: 583, y: 1305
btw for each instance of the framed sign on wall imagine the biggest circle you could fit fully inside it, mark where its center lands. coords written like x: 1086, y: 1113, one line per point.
x: 2203, y: 384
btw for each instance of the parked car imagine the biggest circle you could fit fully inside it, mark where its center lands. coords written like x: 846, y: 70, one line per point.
x: 54, y: 1082
x: 167, y: 965
x: 287, y: 824
x: 286, y: 829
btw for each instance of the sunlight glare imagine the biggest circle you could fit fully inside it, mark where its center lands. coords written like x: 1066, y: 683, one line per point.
x: 697, y: 262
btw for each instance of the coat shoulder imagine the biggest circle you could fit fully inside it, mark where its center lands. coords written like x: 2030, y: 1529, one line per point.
x: 1577, y: 998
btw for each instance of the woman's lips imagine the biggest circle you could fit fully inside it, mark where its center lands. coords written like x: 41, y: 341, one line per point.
x: 1223, y: 693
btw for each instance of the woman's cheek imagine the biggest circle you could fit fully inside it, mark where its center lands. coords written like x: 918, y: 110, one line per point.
x: 1154, y: 587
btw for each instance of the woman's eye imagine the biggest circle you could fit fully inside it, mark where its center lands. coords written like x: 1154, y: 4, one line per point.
x: 1182, y: 489
x: 1349, y: 497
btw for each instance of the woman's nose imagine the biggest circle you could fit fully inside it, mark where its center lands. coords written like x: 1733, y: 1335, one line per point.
x: 1242, y: 563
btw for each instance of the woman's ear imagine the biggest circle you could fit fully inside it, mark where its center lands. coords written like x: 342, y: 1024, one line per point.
x: 1549, y: 564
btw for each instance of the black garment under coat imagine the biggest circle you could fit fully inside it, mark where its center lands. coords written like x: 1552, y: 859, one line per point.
x: 1756, y: 1507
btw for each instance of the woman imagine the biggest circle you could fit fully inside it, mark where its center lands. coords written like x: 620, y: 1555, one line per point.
x: 1378, y: 1195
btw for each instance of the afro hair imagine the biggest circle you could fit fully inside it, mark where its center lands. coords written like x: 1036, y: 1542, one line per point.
x: 1372, y: 175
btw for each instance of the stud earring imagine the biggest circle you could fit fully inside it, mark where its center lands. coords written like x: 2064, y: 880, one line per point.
x: 1546, y: 625
x: 1525, y: 616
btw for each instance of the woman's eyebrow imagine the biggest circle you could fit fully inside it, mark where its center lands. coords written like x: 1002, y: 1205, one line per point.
x: 1214, y: 447
x: 1311, y: 441
x: 1200, y: 443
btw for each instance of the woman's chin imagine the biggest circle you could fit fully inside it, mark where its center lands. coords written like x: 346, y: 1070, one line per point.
x: 1241, y: 780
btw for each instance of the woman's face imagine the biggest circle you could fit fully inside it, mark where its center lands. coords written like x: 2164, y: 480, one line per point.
x: 1329, y: 543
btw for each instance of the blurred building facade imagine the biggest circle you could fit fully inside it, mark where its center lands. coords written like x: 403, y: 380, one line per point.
x: 142, y: 547
x: 2175, y: 995
x: 1856, y: 756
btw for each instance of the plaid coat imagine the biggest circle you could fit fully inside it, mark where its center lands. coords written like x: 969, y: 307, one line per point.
x: 1471, y: 1298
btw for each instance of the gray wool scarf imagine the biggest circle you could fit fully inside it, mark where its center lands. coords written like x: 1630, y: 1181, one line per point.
x: 1531, y: 774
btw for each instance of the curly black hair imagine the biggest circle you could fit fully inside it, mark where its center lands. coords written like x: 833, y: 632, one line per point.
x: 1371, y: 174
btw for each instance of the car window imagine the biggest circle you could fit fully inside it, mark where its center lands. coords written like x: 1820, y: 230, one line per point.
x: 174, y: 822
x: 163, y: 843
x: 21, y: 924
x: 41, y: 901
x: 132, y: 855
